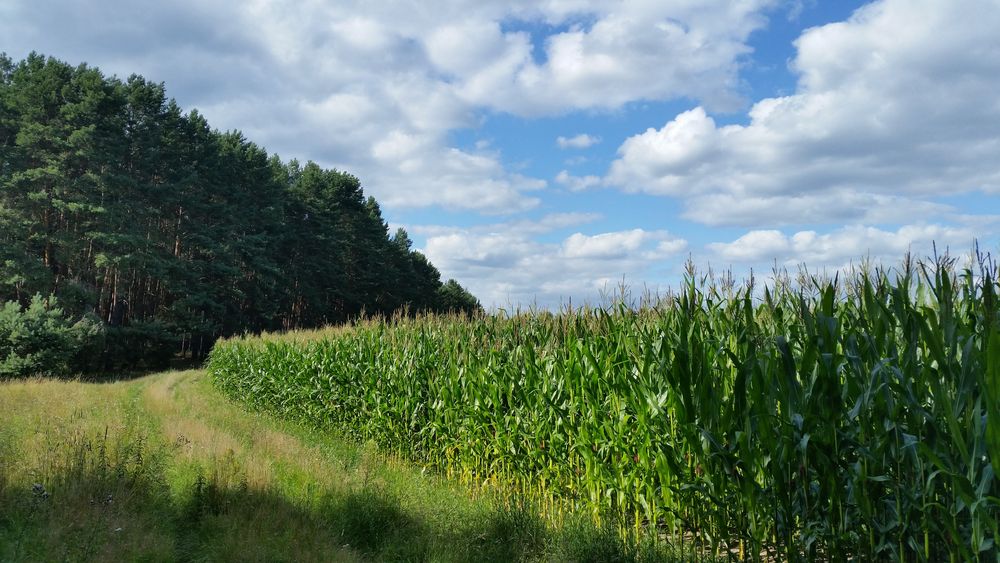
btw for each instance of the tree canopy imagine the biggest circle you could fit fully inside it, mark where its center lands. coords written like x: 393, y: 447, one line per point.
x: 172, y: 234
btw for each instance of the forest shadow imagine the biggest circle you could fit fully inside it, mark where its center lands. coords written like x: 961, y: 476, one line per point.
x: 121, y: 516
x: 125, y: 374
x: 96, y: 506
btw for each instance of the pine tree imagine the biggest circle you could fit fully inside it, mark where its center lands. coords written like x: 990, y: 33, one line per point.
x: 171, y: 234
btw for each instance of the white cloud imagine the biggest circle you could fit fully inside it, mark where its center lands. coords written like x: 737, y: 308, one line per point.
x: 461, y: 180
x: 506, y: 263
x: 351, y: 83
x: 619, y: 244
x: 602, y: 59
x: 894, y: 106
x: 580, y: 141
x: 841, y: 247
x: 658, y: 161
x: 460, y: 49
x: 754, y: 246
x: 577, y: 183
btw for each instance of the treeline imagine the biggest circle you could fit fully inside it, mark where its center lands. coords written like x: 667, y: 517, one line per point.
x: 170, y: 234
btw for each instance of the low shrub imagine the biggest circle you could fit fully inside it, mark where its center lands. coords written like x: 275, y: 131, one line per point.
x: 40, y: 339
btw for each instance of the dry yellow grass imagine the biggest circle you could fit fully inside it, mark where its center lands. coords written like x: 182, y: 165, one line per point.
x: 103, y: 455
x: 203, y: 434
x: 165, y: 468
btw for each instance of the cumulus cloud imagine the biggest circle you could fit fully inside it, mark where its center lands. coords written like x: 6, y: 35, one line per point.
x: 622, y: 244
x: 359, y: 84
x: 461, y: 180
x: 893, y: 107
x: 841, y: 247
x: 506, y: 263
x: 577, y: 183
x: 603, y: 57
x: 580, y: 141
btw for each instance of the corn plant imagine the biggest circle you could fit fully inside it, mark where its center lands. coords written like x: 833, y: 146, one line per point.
x: 850, y: 418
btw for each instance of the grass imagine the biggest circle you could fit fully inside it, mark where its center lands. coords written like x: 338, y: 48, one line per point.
x: 165, y: 468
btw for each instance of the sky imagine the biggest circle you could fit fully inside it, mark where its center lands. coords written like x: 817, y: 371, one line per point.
x: 542, y: 152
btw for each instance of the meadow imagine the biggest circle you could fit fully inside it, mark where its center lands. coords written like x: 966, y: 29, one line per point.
x: 165, y: 468
x: 852, y: 418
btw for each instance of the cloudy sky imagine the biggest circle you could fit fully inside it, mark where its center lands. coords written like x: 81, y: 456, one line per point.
x: 539, y: 151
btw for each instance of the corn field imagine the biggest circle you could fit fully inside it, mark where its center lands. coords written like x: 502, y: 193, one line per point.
x: 828, y: 419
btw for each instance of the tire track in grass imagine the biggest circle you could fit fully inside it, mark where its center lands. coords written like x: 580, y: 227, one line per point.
x: 165, y: 468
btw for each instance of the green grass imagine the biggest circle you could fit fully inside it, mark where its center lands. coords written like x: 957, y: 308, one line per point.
x: 847, y: 419
x: 165, y: 468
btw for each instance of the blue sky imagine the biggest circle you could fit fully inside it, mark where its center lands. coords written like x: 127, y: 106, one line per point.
x: 542, y: 151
